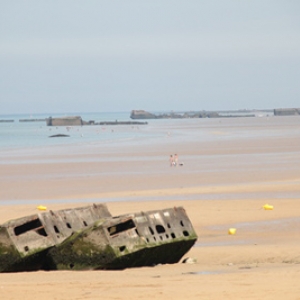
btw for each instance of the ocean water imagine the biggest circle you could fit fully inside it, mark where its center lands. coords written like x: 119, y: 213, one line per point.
x: 33, y: 135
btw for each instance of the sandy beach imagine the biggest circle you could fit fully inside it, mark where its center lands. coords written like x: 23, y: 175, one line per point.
x: 230, y: 168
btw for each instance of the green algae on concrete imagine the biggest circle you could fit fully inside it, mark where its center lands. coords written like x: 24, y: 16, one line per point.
x: 90, y: 238
x: 133, y: 240
x: 24, y: 242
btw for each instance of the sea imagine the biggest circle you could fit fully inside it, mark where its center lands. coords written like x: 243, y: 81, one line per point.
x: 31, y: 135
x: 34, y: 132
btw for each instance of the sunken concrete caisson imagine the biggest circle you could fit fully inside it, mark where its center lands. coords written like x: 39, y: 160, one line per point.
x: 90, y: 238
x: 132, y: 240
x: 24, y: 242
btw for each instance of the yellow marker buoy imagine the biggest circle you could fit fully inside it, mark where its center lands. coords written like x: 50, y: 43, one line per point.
x: 231, y: 231
x: 268, y: 207
x: 41, y: 207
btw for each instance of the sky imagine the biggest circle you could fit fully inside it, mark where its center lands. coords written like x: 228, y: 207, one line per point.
x: 157, y: 55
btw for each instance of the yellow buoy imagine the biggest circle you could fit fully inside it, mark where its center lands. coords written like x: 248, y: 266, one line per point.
x: 231, y: 231
x: 41, y: 207
x: 268, y: 207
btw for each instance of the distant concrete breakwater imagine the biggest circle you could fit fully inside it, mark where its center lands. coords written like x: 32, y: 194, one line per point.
x: 74, y: 121
x: 21, y: 120
x: 145, y: 115
x: 142, y: 114
x: 77, y: 121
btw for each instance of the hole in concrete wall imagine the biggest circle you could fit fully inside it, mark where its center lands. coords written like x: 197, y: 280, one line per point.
x: 31, y: 225
x: 161, y: 237
x: 160, y: 229
x: 56, y: 229
x: 151, y: 230
x: 185, y: 233
x: 167, y: 236
x: 41, y: 231
x: 169, y: 226
x: 26, y: 248
x: 173, y: 235
x: 181, y: 223
x: 121, y: 227
x: 68, y: 225
x: 122, y: 248
x: 85, y: 223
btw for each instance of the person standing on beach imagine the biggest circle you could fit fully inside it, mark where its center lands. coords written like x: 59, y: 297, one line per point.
x: 171, y: 160
x: 175, y: 160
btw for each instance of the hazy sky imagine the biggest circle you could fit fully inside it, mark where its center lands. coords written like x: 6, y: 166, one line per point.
x: 119, y: 55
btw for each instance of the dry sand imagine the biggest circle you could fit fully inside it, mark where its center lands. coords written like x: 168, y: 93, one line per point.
x: 231, y: 169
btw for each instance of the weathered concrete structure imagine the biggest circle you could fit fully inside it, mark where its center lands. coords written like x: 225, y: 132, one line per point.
x: 6, y: 121
x: 132, y: 240
x: 90, y: 238
x: 141, y: 114
x: 287, y: 112
x: 25, y: 241
x: 121, y: 123
x: 77, y: 121
x: 64, y: 121
x: 31, y: 120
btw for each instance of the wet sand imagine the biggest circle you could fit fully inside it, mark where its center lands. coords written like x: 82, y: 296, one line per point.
x: 231, y: 168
